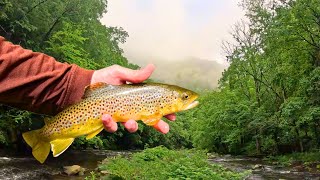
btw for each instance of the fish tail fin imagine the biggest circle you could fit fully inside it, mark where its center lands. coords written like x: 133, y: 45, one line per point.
x: 40, y: 148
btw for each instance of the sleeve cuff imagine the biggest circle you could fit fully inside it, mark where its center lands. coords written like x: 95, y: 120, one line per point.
x: 80, y: 78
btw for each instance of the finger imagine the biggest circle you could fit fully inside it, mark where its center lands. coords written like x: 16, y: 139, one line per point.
x: 171, y: 117
x: 135, y: 76
x: 130, y: 125
x: 109, y: 125
x: 162, y: 127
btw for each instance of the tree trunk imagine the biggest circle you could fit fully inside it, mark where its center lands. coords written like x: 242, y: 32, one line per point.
x: 317, y: 134
x: 47, y: 35
x: 258, y: 144
x: 299, y: 140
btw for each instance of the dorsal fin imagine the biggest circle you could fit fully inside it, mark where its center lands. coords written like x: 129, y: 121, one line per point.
x: 90, y: 89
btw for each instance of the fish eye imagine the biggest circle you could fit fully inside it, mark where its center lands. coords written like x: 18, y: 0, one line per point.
x: 185, y: 96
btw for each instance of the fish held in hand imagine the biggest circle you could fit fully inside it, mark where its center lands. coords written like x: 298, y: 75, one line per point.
x: 148, y: 102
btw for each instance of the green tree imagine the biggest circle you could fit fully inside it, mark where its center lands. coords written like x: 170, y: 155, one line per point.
x: 268, y: 100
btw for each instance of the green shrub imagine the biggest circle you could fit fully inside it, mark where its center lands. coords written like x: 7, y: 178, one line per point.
x: 162, y: 163
x: 82, y: 143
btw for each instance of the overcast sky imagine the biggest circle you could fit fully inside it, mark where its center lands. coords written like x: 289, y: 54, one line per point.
x: 174, y: 29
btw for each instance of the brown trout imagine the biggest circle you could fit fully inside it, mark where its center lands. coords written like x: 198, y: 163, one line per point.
x: 148, y: 102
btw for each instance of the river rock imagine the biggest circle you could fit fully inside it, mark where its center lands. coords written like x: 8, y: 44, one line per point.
x: 104, y: 172
x: 73, y: 170
x: 257, y: 166
x: 211, y: 155
x: 299, y: 168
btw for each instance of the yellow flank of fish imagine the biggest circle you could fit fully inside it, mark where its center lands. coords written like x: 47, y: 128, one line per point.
x: 148, y: 102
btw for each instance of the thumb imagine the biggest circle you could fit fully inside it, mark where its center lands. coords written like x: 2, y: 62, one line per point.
x: 136, y: 76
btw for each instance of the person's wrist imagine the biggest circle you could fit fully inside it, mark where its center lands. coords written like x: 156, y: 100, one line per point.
x: 94, y: 77
x: 79, y: 80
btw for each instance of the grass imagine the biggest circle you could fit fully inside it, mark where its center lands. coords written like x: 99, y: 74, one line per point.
x: 162, y: 163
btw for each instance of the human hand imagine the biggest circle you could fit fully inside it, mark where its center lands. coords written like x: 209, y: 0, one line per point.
x: 117, y: 75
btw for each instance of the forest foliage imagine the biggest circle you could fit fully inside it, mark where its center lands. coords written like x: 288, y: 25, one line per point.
x: 71, y: 32
x: 268, y: 100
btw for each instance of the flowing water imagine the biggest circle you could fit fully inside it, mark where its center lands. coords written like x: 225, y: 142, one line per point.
x: 22, y: 167
x: 262, y: 170
x: 26, y: 167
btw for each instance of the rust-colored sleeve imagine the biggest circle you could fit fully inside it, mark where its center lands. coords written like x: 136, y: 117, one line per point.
x: 37, y: 82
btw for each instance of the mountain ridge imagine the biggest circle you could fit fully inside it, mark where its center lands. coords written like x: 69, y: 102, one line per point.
x: 192, y: 73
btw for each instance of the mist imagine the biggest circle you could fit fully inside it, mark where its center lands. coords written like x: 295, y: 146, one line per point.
x: 181, y: 37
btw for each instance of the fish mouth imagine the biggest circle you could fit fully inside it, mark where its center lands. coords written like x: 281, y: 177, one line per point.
x: 192, y: 105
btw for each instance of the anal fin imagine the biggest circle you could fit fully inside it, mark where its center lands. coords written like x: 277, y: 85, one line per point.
x: 58, y: 146
x: 94, y: 133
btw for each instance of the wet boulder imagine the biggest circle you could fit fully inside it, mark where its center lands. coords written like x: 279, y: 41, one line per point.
x: 258, y: 167
x: 73, y: 170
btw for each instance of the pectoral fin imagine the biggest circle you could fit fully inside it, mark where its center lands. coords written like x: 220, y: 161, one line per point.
x: 58, y: 146
x: 47, y: 120
x: 94, y: 133
x: 151, y: 122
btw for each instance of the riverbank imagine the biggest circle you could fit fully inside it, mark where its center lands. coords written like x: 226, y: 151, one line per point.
x: 173, y: 163
x: 150, y: 163
x: 309, y: 161
x: 165, y: 164
x: 265, y: 169
x: 162, y: 163
x: 22, y: 167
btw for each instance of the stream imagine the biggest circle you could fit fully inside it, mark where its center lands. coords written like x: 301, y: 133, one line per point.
x: 262, y: 170
x: 26, y: 167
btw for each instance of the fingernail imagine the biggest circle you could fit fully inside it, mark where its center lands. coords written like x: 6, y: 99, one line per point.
x: 135, y: 127
x: 132, y: 126
x: 165, y: 128
x: 162, y: 127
